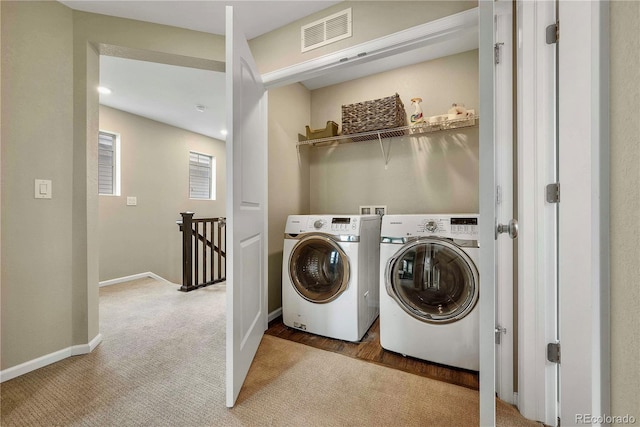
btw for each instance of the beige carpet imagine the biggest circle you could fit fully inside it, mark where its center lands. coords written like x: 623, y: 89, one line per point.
x: 161, y: 363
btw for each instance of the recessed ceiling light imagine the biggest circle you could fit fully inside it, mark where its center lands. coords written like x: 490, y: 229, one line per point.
x: 200, y: 108
x: 104, y: 90
x: 223, y: 132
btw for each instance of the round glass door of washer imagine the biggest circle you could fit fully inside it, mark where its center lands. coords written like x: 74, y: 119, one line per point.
x: 319, y: 269
x: 433, y: 280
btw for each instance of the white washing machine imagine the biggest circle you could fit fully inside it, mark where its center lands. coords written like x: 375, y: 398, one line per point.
x: 330, y: 274
x: 429, y: 288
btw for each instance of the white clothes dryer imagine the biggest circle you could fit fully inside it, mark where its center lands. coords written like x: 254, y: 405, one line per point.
x: 429, y: 288
x: 330, y: 274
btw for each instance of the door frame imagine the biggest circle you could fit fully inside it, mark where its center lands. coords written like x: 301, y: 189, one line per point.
x: 483, y: 21
x: 584, y: 213
x: 582, y: 229
x: 591, y: 204
x: 537, y: 242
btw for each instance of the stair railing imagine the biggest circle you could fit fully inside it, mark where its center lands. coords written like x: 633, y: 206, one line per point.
x: 203, y: 251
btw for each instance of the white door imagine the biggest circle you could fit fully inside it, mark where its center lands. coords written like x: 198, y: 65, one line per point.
x: 246, y: 152
x: 496, y: 206
x: 487, y: 214
x: 504, y: 199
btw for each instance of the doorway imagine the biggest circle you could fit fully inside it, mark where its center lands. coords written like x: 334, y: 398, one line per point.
x: 162, y: 115
x: 299, y: 73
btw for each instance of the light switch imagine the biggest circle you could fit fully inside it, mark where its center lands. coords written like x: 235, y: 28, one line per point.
x: 132, y: 201
x: 42, y: 189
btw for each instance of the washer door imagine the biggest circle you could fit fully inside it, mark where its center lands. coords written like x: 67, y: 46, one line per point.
x: 433, y: 280
x: 319, y: 269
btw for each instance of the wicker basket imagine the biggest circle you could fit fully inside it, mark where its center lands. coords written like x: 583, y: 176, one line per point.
x: 383, y: 113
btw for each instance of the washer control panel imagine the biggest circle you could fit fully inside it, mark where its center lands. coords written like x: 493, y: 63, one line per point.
x: 324, y: 224
x: 336, y: 224
x: 344, y: 224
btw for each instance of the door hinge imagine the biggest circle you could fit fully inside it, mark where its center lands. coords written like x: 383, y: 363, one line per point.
x: 496, y: 52
x: 553, y: 33
x: 553, y: 193
x: 499, y: 331
x: 553, y: 352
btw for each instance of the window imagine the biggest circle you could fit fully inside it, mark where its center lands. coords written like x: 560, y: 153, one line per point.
x: 108, y: 163
x: 202, y: 171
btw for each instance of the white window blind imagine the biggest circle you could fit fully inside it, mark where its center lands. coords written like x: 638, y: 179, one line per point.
x: 201, y: 173
x: 107, y: 163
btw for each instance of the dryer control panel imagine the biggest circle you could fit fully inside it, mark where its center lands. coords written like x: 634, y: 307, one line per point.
x: 466, y: 226
x: 338, y: 225
x: 463, y: 227
x: 457, y: 228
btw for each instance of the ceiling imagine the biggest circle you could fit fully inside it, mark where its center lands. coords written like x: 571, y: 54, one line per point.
x: 257, y: 17
x: 170, y: 94
x: 167, y: 93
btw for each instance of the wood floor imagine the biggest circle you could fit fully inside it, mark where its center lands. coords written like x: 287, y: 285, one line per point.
x: 369, y: 350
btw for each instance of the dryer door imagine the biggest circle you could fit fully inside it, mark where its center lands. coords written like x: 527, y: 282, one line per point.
x: 319, y: 269
x: 433, y: 280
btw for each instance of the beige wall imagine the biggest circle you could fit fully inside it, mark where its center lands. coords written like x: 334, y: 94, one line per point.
x: 1, y: 180
x: 49, y: 113
x: 290, y: 189
x: 295, y: 185
x: 155, y: 169
x: 437, y: 173
x: 289, y: 110
x: 625, y: 209
x: 371, y: 19
x: 37, y: 143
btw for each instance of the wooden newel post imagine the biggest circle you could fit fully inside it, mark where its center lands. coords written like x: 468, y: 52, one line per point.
x: 222, y: 232
x: 187, y: 274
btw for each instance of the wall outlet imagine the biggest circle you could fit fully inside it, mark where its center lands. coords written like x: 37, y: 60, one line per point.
x: 373, y: 210
x: 132, y: 201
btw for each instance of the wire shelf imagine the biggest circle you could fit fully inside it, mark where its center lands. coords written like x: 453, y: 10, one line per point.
x: 412, y: 130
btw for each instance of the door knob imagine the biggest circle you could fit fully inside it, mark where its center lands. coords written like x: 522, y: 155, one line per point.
x: 511, y: 228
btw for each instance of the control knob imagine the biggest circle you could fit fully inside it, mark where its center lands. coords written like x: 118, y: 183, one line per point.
x: 431, y: 225
x: 318, y: 224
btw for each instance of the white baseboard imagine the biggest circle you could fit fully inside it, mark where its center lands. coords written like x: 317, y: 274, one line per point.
x: 275, y: 313
x: 133, y: 277
x: 77, y: 350
x: 48, y: 359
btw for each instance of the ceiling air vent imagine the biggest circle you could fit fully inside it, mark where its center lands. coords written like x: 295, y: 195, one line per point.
x: 327, y: 30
